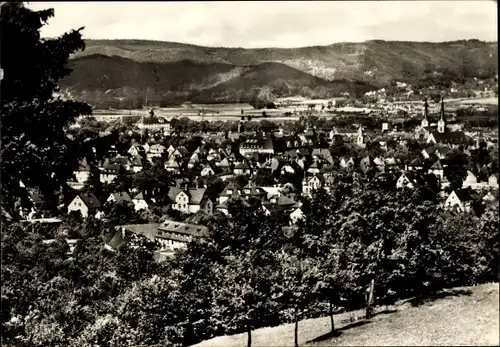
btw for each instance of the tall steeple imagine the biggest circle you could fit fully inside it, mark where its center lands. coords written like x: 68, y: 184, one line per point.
x: 360, y: 139
x: 442, y: 109
x: 441, y: 124
x: 425, y: 120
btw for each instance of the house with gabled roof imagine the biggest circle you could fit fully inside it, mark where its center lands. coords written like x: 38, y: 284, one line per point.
x: 207, y: 170
x: 231, y: 191
x: 314, y: 168
x: 296, y: 215
x: 271, y: 208
x: 224, y: 206
x: 136, y: 150
x: 291, y: 168
x: 312, y: 183
x: 135, y: 164
x: 442, y: 152
x: 173, y: 165
x: 472, y: 182
x: 178, y: 234
x: 438, y: 170
x: 259, y: 144
x: 346, y: 162
x: 252, y: 191
x: 85, y: 203
x: 242, y: 169
x: 493, y: 181
x: 193, y: 160
x: 428, y: 152
x: 416, y: 164
x: 180, y: 152
x: 155, y: 151
x: 190, y: 200
x: 141, y: 202
x: 322, y: 154
x: 406, y: 180
x: 119, y: 197
x: 452, y: 139
x: 83, y: 172
x: 459, y: 199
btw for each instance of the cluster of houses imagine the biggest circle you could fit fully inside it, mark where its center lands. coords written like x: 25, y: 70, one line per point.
x: 301, y: 163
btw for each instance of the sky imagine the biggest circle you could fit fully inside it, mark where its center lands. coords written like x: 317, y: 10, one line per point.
x: 275, y: 24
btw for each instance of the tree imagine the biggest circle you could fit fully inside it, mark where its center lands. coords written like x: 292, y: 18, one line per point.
x: 248, y: 244
x: 34, y: 144
x: 456, y: 171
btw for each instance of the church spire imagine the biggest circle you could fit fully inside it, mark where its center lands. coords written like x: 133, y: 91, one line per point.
x: 425, y: 121
x: 441, y: 123
x: 442, y: 109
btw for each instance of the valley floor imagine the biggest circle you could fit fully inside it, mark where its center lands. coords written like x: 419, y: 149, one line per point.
x: 461, y: 316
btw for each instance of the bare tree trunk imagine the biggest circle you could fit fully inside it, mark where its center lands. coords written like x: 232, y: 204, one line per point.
x: 249, y: 336
x: 296, y: 329
x: 369, y: 301
x: 331, y: 316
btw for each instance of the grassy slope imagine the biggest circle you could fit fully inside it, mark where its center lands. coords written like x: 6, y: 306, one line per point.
x: 386, y: 59
x: 467, y: 316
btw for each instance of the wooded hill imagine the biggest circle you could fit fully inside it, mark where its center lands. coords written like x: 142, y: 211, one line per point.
x: 176, y: 71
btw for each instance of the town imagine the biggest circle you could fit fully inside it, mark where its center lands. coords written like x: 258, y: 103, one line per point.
x: 275, y: 164
x: 249, y: 174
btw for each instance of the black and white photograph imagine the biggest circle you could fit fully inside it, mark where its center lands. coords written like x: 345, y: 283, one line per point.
x: 249, y: 173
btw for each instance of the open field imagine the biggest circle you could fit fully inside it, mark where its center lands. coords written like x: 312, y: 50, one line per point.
x: 462, y: 316
x: 481, y: 101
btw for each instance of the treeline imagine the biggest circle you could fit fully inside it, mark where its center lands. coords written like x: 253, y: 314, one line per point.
x: 249, y: 272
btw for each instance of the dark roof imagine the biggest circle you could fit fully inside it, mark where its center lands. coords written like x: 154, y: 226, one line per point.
x: 261, y: 142
x: 437, y: 165
x: 452, y: 137
x: 36, y: 196
x: 139, y: 196
x: 285, y: 201
x: 196, y: 195
x: 148, y: 230
x: 417, y: 162
x: 242, y: 165
x: 117, y: 240
x: 121, y: 197
x: 430, y: 150
x: 463, y: 195
x: 136, y: 161
x: 274, y: 207
x: 183, y: 228
x: 90, y: 200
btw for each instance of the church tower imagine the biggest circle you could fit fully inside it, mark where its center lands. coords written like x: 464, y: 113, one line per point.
x: 361, y: 138
x: 425, y: 121
x: 441, y: 124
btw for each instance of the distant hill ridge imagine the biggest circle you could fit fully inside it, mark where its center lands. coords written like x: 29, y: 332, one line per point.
x: 123, y: 68
x: 385, y: 59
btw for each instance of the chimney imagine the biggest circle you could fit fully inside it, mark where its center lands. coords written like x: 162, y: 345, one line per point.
x: 185, y: 186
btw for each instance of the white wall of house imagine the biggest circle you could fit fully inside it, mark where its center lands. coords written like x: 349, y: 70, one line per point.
x: 140, y: 204
x: 182, y: 203
x: 454, y: 202
x: 107, y: 177
x: 296, y: 215
x: 493, y: 182
x: 82, y: 176
x: 78, y: 205
x: 207, y: 172
x: 193, y: 208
